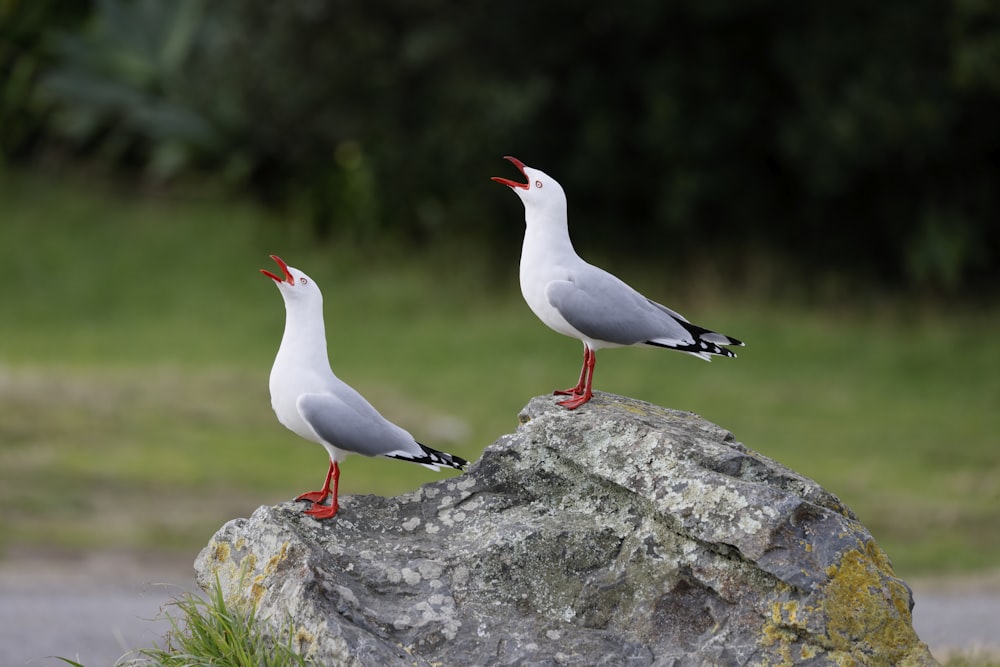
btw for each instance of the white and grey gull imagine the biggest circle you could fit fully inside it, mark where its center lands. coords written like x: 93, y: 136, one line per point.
x: 311, y: 401
x: 585, y: 302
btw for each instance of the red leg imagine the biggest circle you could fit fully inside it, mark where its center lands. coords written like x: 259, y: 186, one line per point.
x: 318, y: 511
x: 320, y: 496
x: 578, y: 389
x: 586, y: 380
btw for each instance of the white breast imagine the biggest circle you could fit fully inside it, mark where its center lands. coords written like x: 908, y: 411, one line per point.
x: 285, y: 392
x: 533, y: 283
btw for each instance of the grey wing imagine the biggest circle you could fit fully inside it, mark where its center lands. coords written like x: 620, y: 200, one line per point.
x: 355, y: 426
x: 603, y: 307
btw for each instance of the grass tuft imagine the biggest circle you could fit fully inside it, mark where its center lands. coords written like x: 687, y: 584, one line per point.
x: 208, y: 631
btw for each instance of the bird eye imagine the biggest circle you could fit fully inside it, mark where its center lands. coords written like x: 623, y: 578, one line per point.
x: 538, y: 184
x: 303, y: 281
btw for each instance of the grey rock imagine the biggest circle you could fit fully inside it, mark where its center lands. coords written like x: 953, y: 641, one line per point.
x: 621, y: 533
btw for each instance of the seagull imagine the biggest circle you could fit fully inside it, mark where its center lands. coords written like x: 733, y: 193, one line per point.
x: 312, y: 402
x: 585, y: 302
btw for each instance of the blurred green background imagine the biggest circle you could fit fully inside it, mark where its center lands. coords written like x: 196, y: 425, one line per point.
x: 820, y: 181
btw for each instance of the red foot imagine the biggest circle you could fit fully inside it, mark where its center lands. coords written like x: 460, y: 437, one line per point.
x: 318, y: 511
x: 315, y: 497
x: 581, y: 393
x: 576, y: 401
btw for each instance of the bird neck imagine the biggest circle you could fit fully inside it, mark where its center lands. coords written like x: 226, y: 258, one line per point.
x: 546, y: 232
x: 304, y: 340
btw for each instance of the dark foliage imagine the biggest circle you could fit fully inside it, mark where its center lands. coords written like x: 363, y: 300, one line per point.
x: 25, y: 26
x: 860, y: 137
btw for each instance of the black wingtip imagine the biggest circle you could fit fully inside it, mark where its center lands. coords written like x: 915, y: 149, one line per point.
x: 698, y: 348
x: 452, y: 461
x: 709, y: 341
x: 445, y: 459
x: 433, y: 457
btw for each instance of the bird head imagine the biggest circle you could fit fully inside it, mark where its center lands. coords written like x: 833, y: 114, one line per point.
x: 293, y: 284
x: 540, y: 192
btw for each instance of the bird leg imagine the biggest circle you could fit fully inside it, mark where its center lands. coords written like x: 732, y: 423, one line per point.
x: 320, y: 496
x: 578, y: 389
x: 319, y: 510
x: 582, y: 392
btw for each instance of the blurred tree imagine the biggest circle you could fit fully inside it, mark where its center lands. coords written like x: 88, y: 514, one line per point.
x: 879, y: 143
x: 123, y: 89
x: 375, y: 112
x: 858, y: 138
x: 24, y: 26
x: 845, y: 136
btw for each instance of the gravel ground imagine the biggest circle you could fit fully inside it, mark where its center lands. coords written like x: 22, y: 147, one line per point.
x: 97, y: 610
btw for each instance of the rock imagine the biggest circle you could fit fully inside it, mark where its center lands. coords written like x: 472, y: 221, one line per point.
x: 621, y: 533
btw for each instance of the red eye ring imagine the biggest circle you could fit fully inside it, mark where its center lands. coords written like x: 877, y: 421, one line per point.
x: 538, y: 184
x: 303, y: 281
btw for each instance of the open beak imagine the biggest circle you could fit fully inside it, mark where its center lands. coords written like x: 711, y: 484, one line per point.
x: 509, y: 183
x: 284, y: 267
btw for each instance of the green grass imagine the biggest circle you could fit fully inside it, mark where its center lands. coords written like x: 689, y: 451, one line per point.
x: 210, y: 631
x: 136, y: 337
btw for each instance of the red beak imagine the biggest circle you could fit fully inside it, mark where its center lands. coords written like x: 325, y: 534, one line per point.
x: 513, y: 184
x: 284, y: 267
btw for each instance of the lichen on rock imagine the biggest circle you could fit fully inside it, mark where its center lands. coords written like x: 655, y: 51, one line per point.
x: 619, y: 533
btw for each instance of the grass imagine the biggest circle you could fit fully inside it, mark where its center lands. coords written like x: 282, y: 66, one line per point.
x: 209, y: 631
x: 137, y: 337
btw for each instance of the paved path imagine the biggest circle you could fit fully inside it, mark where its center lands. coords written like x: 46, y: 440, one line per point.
x: 94, y: 627
x: 92, y: 610
x: 76, y: 614
x: 959, y: 624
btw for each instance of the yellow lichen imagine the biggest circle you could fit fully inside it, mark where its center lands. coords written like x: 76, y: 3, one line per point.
x: 303, y: 637
x: 772, y: 634
x: 808, y: 652
x: 778, y: 631
x: 272, y: 562
x: 786, y: 612
x: 259, y: 585
x: 634, y: 408
x: 220, y: 552
x: 248, y: 563
x: 867, y: 609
